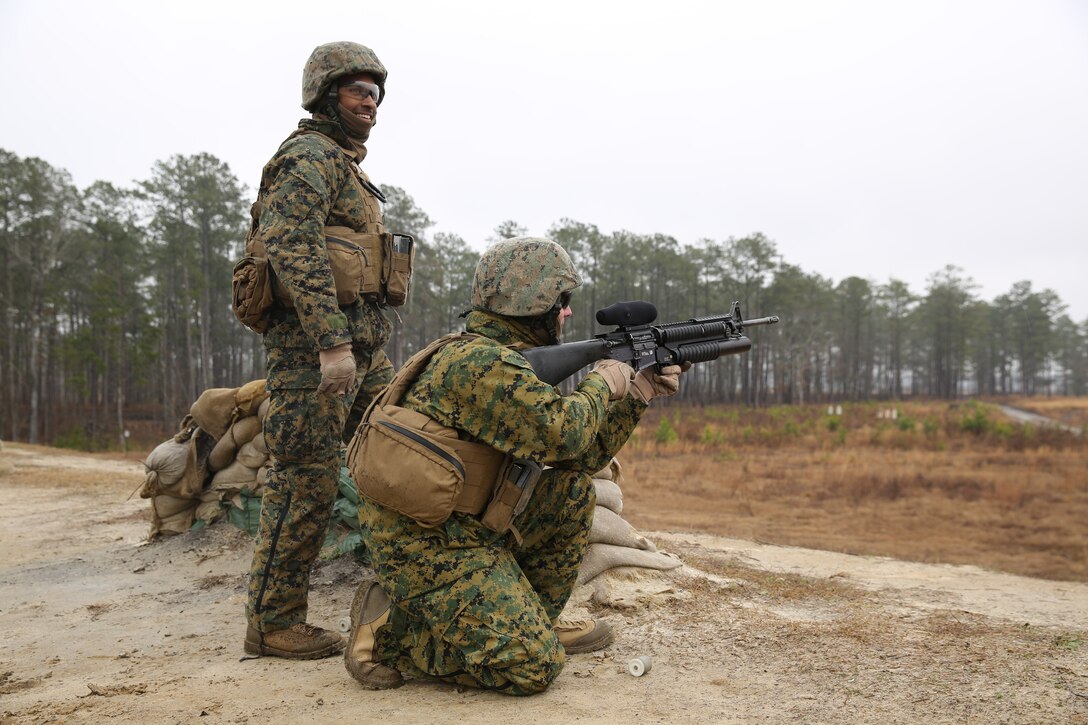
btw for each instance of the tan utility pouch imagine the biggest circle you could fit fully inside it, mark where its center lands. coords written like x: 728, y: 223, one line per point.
x: 251, y: 292
x: 406, y: 465
x: 414, y: 465
x: 356, y: 261
x: 512, y: 494
x: 399, y: 253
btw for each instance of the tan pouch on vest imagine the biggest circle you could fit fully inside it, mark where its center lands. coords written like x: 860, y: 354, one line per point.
x: 356, y: 261
x: 512, y: 494
x: 408, y: 467
x: 399, y: 253
x: 251, y: 292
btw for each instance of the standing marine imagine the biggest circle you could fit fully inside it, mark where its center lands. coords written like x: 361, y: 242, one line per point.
x: 475, y: 544
x: 319, y: 269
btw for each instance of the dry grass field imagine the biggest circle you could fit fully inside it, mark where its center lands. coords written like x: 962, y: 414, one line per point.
x: 940, y: 482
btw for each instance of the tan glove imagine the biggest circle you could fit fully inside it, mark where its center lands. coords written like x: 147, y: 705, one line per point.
x: 337, y: 370
x: 650, y: 384
x: 617, y: 375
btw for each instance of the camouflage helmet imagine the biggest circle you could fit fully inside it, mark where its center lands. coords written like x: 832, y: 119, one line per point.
x: 334, y: 60
x: 523, y: 277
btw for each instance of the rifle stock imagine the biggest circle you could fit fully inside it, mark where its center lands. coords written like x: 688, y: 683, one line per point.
x: 555, y: 363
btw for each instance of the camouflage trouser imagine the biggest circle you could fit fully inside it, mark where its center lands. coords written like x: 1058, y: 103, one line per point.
x: 304, y: 431
x: 472, y: 607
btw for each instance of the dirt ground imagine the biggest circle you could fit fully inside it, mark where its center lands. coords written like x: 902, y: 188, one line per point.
x: 97, y: 625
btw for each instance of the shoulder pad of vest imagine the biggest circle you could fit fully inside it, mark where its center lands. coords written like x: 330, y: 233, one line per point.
x: 510, y: 356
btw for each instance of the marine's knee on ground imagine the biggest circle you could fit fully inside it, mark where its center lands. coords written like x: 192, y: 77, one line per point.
x: 524, y: 663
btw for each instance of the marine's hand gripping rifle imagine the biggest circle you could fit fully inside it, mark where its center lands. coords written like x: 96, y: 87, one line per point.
x: 636, y: 342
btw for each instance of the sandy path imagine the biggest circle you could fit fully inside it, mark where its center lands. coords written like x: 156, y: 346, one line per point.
x: 98, y: 626
x: 1017, y: 599
x: 1026, y: 416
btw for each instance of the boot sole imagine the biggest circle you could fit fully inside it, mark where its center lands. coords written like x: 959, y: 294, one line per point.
x: 362, y: 672
x: 252, y: 648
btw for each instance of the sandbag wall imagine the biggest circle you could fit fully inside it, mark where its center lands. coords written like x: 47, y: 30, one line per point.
x: 613, y: 542
x: 218, y: 455
x: 238, y: 464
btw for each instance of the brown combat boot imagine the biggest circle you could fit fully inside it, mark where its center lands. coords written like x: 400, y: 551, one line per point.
x: 583, y: 635
x: 299, y: 642
x: 369, y: 610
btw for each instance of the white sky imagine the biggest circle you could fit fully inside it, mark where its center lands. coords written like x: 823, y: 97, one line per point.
x: 879, y: 139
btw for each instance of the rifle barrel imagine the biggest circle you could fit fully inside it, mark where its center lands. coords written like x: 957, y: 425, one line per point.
x: 772, y: 320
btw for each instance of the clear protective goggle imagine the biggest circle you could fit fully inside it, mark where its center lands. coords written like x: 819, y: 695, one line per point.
x: 361, y: 90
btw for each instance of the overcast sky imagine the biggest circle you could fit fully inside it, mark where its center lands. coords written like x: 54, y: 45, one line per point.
x: 872, y: 138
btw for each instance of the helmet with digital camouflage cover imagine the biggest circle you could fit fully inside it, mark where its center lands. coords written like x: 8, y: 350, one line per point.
x: 523, y: 277
x: 334, y: 60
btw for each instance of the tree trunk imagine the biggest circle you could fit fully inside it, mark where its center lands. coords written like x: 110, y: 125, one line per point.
x: 33, y: 373
x: 9, y: 352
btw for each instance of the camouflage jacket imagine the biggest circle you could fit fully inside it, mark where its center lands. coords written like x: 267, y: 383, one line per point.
x: 489, y: 392
x: 305, y: 187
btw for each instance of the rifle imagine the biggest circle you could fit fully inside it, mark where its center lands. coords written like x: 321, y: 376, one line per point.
x: 637, y: 342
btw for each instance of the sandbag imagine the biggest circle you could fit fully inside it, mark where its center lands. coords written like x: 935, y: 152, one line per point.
x: 239, y: 434
x: 233, y: 478
x: 609, y: 495
x: 262, y: 411
x: 245, y: 513
x: 259, y: 443
x: 210, y: 508
x: 249, y: 397
x: 617, y: 472
x: 197, y: 446
x: 223, y: 453
x: 167, y: 462
x: 245, y: 430
x: 602, y: 557
x: 166, y: 505
x: 171, y: 515
x: 213, y: 411
x: 609, y: 528
x: 612, y: 472
x: 248, y: 455
x: 262, y: 477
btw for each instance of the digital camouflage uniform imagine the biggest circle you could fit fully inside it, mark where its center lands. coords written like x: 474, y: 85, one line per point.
x: 471, y: 606
x: 306, y: 186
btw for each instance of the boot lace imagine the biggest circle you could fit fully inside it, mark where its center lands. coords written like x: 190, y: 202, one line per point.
x: 572, y: 625
x: 305, y: 629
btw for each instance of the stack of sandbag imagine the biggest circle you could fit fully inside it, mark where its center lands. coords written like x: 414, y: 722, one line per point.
x: 239, y: 464
x: 613, y: 542
x: 216, y: 455
x: 176, y: 470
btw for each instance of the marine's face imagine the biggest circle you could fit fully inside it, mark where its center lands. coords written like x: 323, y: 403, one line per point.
x: 563, y: 315
x: 358, y: 93
x: 564, y: 312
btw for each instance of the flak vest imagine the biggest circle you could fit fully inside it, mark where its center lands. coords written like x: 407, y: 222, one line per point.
x: 372, y: 264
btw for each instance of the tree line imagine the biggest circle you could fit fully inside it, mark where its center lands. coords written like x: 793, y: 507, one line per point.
x: 115, y: 308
